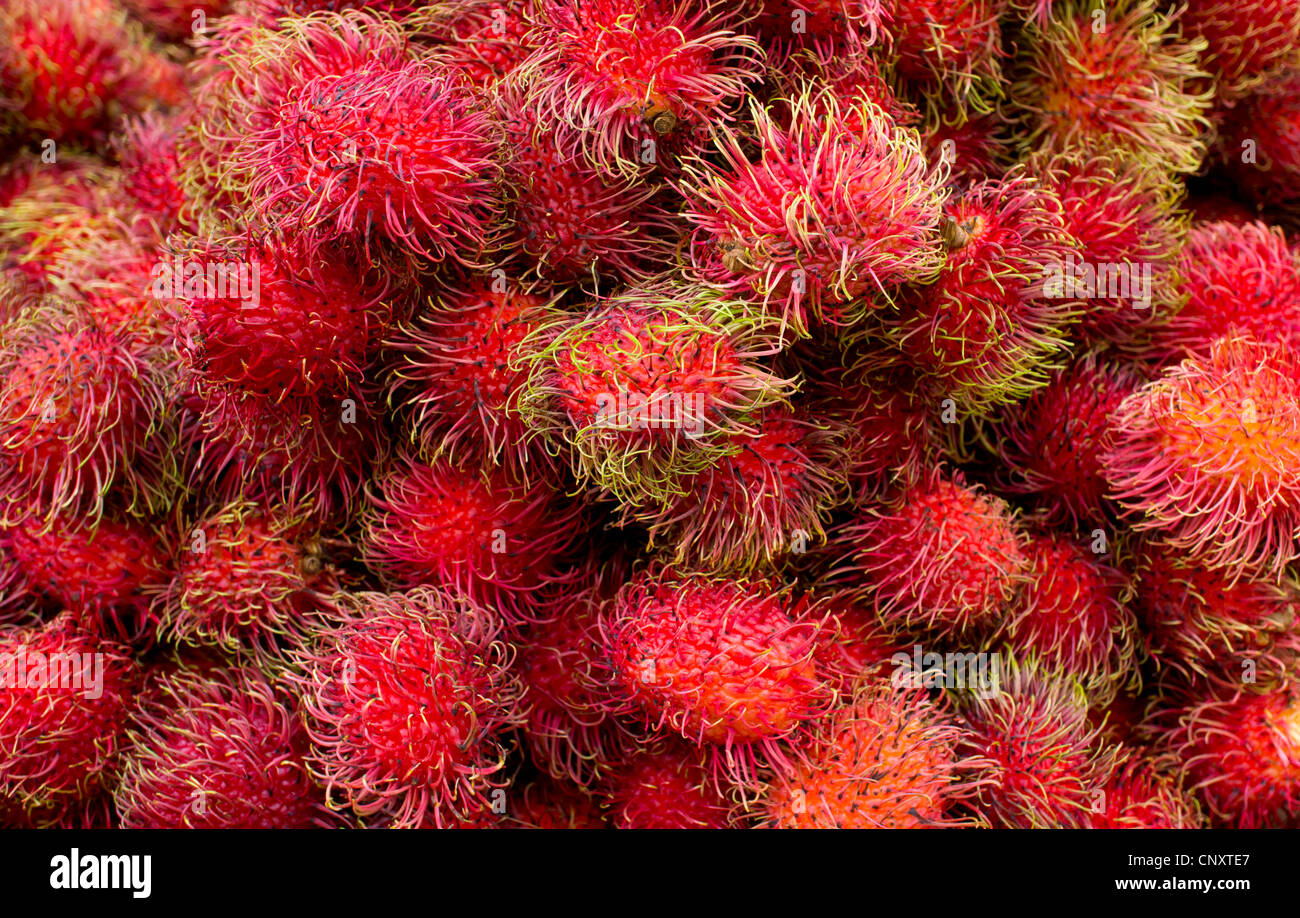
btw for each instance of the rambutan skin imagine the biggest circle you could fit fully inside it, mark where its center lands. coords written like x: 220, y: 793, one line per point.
x: 836, y: 206
x: 1257, y: 143
x: 715, y: 660
x: 887, y: 759
x: 406, y: 699
x: 1141, y: 794
x: 1207, y: 457
x: 940, y: 552
x: 665, y: 786
x: 66, y: 698
x: 215, y: 749
x: 1247, y: 42
x: 478, y: 531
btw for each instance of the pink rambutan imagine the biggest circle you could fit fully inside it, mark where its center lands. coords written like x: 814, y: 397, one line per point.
x: 65, y: 697
x: 1123, y: 81
x: 651, y: 385
x: 986, y: 331
x: 486, y: 39
x: 953, y: 47
x: 80, y: 412
x: 407, y: 698
x: 815, y: 216
x: 215, y: 749
x: 716, y: 660
x: 1248, y: 42
x: 636, y: 80
x: 939, y: 552
x: 763, y: 502
x: 458, y: 369
x: 103, y: 574
x: 1051, y: 445
x: 1142, y: 795
x: 828, y: 29
x: 1042, y: 765
x: 1239, y: 752
x: 665, y: 786
x: 1071, y: 615
x: 1199, y: 623
x: 1257, y: 143
x: 249, y: 580
x: 1207, y: 457
x: 974, y: 146
x: 885, y: 760
x: 146, y: 151
x: 481, y: 532
x: 1235, y: 279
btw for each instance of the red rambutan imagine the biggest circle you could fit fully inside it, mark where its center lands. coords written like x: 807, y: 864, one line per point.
x: 666, y: 786
x: 1141, y: 795
x: 1248, y: 41
x: 1258, y: 143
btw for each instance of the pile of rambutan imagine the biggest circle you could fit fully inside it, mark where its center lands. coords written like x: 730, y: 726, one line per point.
x: 649, y: 413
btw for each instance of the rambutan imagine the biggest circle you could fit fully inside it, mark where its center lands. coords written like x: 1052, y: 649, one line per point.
x: 177, y: 19
x: 1071, y: 615
x: 651, y: 385
x: 974, y: 146
x: 458, y: 369
x: 939, y: 552
x: 1258, y: 144
x: 1207, y: 457
x: 407, y: 698
x: 103, y: 574
x: 665, y: 786
x: 65, y: 698
x: 986, y: 331
x: 636, y: 80
x: 481, y: 532
x: 949, y: 46
x: 761, y: 503
x: 813, y: 218
x: 546, y: 803
x: 1235, y: 279
x: 885, y: 760
x: 69, y: 69
x: 1142, y: 795
x: 249, y: 579
x: 215, y: 749
x: 1051, y: 445
x: 80, y: 410
x: 852, y: 645
x: 1239, y: 752
x: 1122, y: 80
x: 1248, y: 42
x: 829, y: 29
x: 1042, y: 765
x: 485, y: 39
x: 717, y: 660
x: 1123, y: 214
x: 1199, y: 623
x: 146, y: 150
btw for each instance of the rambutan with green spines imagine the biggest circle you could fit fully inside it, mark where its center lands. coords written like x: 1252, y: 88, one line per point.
x: 816, y: 216
x: 1234, y: 279
x: 250, y: 580
x: 407, y: 700
x: 70, y: 69
x: 483, y: 39
x: 1256, y: 144
x: 988, y: 330
x: 935, y: 553
x: 1199, y: 624
x: 949, y: 48
x: 666, y: 785
x: 762, y: 503
x: 103, y: 574
x: 1237, y: 751
x: 1120, y: 79
x: 1072, y: 617
x: 146, y: 152
x: 638, y: 82
x: 479, y: 531
x: 1051, y: 445
x: 829, y: 30
x: 1206, y: 458
x: 82, y: 410
x: 457, y: 370
x: 1248, y: 43
x: 726, y: 662
x: 1143, y: 794
x: 651, y: 385
x: 851, y: 79
x: 306, y: 325
x: 886, y: 759
x: 60, y: 737
x: 1123, y: 213
x: 1042, y: 763
x: 572, y: 221
x: 215, y: 749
